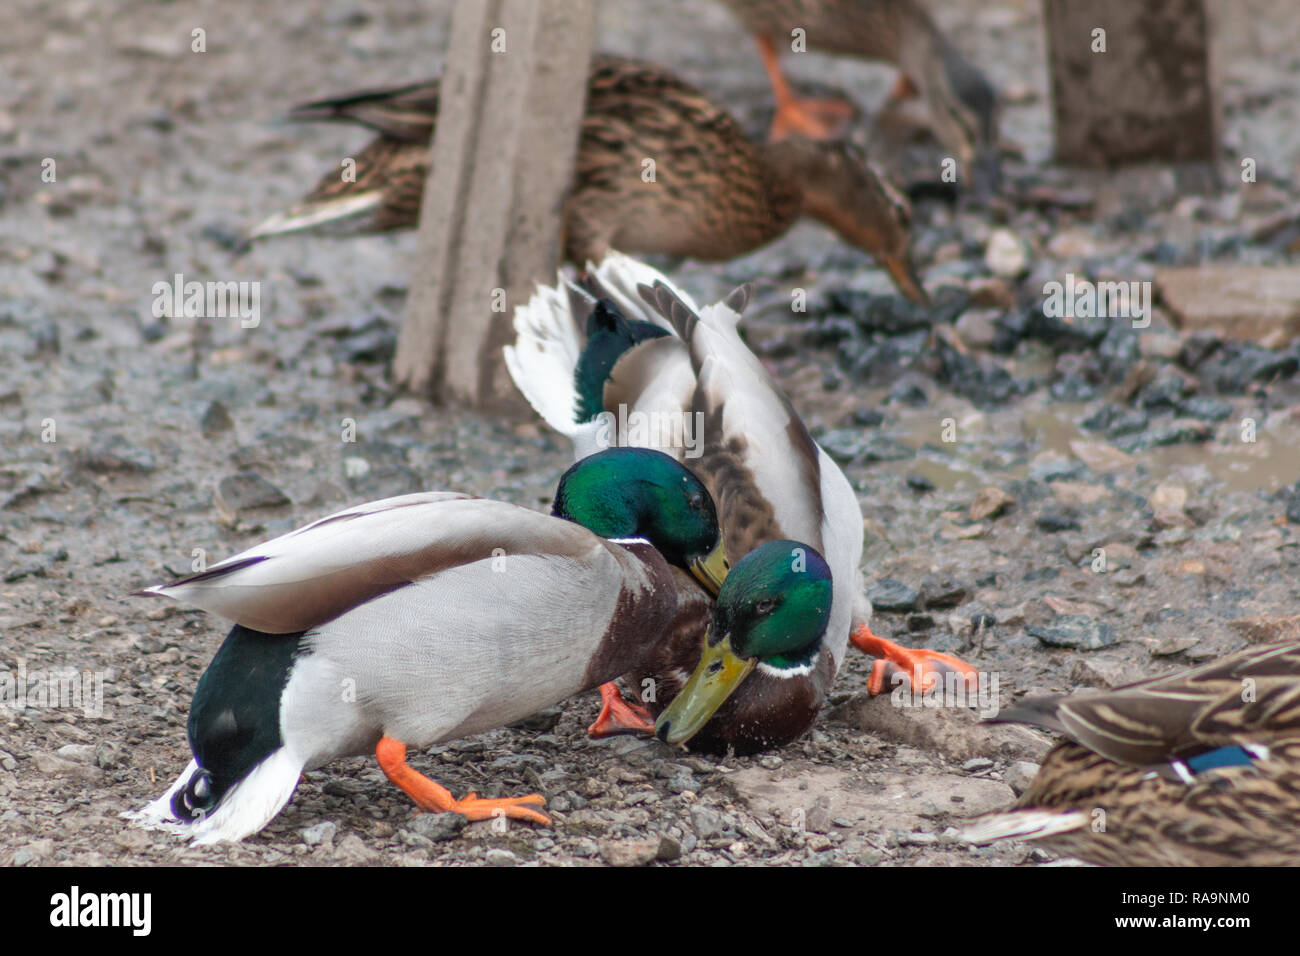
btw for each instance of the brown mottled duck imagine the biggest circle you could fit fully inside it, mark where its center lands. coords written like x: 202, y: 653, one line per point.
x: 715, y: 194
x: 1197, y: 768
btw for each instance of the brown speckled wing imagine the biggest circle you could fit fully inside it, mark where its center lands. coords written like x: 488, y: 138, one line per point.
x: 1252, y: 696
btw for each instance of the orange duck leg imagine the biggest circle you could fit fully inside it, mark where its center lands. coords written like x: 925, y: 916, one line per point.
x: 436, y: 798
x: 802, y: 116
x: 916, y: 663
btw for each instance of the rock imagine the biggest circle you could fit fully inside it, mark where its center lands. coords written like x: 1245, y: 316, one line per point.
x: 706, y: 822
x: 1077, y: 494
x: 918, y: 482
x: 890, y: 595
x: 215, y: 420
x: 1102, y: 672
x: 989, y: 503
x: 978, y: 328
x: 818, y: 818
x: 56, y: 766
x: 320, y: 833
x: 986, y: 293
x: 1099, y: 457
x: 352, y: 851
x: 438, y: 826
x: 1072, y: 244
x: 1264, y: 629
x: 1020, y: 775
x: 868, y: 417
x: 942, y: 590
x: 247, y: 491
x: 1006, y: 254
x: 629, y: 852
x: 1076, y: 630
x: 498, y: 856
x: 976, y: 764
x: 1178, y: 432
x: 953, y: 731
x: 1167, y: 504
x: 907, y: 391
x: 1058, y: 520
x: 1205, y: 408
x: 670, y: 848
x: 34, y: 852
x: 1255, y: 303
x: 81, y: 753
x: 113, y: 454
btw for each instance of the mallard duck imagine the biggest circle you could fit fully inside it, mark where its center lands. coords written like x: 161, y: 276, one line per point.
x: 648, y: 367
x: 963, y: 104
x: 425, y: 618
x: 712, y: 194
x: 1198, y: 768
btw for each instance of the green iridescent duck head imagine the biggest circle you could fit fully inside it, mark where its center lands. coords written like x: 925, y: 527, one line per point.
x: 623, y: 493
x: 772, y: 611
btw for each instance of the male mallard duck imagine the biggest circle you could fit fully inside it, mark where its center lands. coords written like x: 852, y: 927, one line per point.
x: 648, y: 367
x: 962, y: 103
x: 428, y: 617
x: 1199, y: 768
x: 714, y: 194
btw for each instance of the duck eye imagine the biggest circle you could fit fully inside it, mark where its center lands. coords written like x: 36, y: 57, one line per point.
x: 696, y: 500
x: 765, y: 606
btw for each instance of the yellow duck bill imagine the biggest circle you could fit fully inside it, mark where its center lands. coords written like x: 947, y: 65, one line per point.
x: 718, y: 675
x: 711, y: 570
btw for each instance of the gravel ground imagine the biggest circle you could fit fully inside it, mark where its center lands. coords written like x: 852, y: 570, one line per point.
x: 993, y: 470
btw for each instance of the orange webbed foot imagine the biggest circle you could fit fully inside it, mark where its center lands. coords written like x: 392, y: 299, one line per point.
x: 435, y: 798
x: 813, y: 118
x: 617, y: 716
x: 921, y: 667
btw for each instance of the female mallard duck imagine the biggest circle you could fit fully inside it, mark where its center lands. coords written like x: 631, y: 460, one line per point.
x: 714, y: 194
x: 428, y: 617
x: 647, y: 367
x: 962, y: 103
x: 1199, y: 768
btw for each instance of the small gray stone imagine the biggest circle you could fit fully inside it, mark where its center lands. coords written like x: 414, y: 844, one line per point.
x: 1019, y: 776
x: 890, y: 595
x: 111, y: 453
x: 248, y: 490
x: 320, y: 833
x: 707, y: 823
x: 629, y: 852
x: 215, y: 419
x: 438, y: 826
x: 500, y: 857
x: 976, y: 764
x: 81, y: 753
x: 352, y: 849
x: 1075, y: 630
x: 819, y: 819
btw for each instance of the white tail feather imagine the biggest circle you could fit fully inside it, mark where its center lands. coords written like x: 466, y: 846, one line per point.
x: 315, y: 214
x: 1023, y: 825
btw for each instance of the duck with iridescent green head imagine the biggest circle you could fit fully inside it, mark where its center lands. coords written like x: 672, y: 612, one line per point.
x: 425, y: 618
x: 624, y: 347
